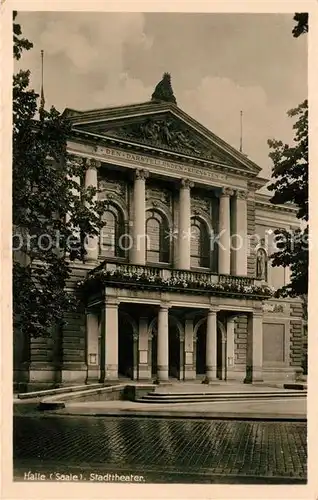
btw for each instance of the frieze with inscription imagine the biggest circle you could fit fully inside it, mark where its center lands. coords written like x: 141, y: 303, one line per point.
x: 157, y: 162
x: 166, y: 134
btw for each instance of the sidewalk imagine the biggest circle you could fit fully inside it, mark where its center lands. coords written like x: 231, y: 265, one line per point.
x: 259, y: 410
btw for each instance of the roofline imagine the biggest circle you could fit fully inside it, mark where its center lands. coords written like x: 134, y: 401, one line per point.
x: 263, y: 200
x: 108, y: 107
x: 167, y: 106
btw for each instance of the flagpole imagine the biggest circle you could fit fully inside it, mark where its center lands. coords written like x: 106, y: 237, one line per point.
x: 241, y: 131
x: 42, y: 102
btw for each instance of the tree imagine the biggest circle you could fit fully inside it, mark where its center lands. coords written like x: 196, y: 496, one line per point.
x: 302, y: 24
x: 290, y: 171
x: 52, y: 214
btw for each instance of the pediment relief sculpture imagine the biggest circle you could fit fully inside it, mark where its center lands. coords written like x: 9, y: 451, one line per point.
x: 166, y: 134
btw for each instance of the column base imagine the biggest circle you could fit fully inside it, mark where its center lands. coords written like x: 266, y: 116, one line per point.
x: 189, y: 374
x: 253, y: 375
x: 144, y: 373
x: 73, y: 373
x: 162, y: 375
x: 111, y: 373
x: 210, y: 375
x: 93, y: 375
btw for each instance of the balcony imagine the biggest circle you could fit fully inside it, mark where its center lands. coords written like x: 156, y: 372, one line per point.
x: 154, y: 278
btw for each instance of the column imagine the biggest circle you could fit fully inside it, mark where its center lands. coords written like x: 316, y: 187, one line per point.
x: 91, y: 181
x: 230, y: 324
x: 211, y: 345
x: 92, y: 350
x: 143, y: 351
x: 225, y: 232
x: 110, y: 339
x: 254, y: 354
x: 184, y: 230
x: 138, y: 253
x: 163, y: 344
x: 240, y: 230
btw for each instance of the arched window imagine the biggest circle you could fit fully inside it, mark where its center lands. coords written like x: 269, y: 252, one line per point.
x: 158, y: 242
x: 200, y: 244
x: 112, y: 234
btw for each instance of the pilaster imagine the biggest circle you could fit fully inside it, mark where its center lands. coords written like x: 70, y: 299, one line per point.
x: 163, y: 343
x: 211, y: 345
x: 110, y: 339
x: 254, y: 354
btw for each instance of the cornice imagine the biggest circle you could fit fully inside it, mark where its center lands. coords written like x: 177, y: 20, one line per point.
x: 275, y: 208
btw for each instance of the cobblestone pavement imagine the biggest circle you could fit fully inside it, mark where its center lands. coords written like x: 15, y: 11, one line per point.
x: 162, y: 450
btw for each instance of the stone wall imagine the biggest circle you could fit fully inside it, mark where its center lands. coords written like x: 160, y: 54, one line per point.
x: 73, y: 346
x: 240, y: 341
x: 296, y: 334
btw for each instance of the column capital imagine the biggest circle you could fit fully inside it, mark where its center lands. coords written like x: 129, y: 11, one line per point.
x: 141, y: 174
x: 75, y: 159
x: 111, y: 301
x: 92, y: 163
x: 231, y: 318
x: 186, y: 184
x: 241, y: 194
x: 212, y: 310
x: 226, y: 191
x: 165, y: 306
x: 257, y: 313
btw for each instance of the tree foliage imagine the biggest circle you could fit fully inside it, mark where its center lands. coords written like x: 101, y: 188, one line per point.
x: 290, y: 174
x: 302, y: 24
x: 52, y: 213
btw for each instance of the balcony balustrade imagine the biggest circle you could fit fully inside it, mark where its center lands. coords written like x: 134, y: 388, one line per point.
x: 187, y: 281
x: 164, y: 274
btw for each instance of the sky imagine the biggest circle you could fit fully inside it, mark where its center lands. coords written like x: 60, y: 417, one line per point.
x: 220, y: 64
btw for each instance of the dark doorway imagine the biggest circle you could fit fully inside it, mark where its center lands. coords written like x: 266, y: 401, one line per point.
x: 219, y: 355
x: 125, y: 348
x: 201, y: 350
x: 174, y: 352
x: 154, y: 353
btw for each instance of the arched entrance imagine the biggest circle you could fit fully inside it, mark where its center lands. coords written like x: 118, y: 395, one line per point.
x: 154, y: 351
x: 221, y: 368
x: 200, y: 366
x: 174, y: 351
x: 125, y: 347
x: 200, y: 349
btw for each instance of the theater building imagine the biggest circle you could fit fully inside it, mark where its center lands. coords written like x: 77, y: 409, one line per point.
x: 171, y: 293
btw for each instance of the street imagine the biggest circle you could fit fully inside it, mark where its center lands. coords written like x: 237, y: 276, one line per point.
x: 158, y: 449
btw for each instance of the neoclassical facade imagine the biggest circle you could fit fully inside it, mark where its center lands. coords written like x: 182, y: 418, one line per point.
x: 176, y: 285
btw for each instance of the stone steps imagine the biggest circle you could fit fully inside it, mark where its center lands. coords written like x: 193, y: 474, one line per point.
x: 191, y: 397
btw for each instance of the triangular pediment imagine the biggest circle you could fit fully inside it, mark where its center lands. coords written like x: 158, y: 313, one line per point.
x: 163, y: 127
